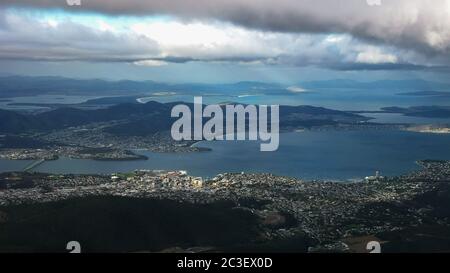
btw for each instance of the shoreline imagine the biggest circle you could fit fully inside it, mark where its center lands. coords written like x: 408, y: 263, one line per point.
x: 328, y: 214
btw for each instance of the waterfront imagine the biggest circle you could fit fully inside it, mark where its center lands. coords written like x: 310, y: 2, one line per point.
x: 396, y: 118
x: 280, y: 208
x: 331, y: 155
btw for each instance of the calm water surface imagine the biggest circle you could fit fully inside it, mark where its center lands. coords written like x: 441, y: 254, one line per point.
x: 335, y: 155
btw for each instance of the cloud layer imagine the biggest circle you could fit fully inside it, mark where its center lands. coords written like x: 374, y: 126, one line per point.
x: 342, y: 34
x: 420, y: 24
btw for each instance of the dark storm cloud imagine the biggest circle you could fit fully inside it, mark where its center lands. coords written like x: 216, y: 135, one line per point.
x: 24, y: 38
x: 416, y: 24
x: 341, y: 35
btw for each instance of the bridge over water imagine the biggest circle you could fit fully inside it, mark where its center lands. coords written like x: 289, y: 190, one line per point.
x: 33, y: 165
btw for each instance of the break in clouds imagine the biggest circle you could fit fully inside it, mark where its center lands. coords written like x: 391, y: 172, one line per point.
x: 337, y: 34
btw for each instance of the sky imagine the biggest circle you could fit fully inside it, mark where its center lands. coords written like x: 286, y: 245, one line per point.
x: 226, y: 40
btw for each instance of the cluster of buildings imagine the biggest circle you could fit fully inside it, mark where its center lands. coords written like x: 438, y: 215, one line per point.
x: 72, y: 142
x: 432, y: 170
x: 26, y: 154
x: 324, y: 211
x: 161, y: 180
x: 95, y: 135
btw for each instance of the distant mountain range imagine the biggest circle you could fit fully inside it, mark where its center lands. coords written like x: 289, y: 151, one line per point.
x: 421, y: 111
x: 60, y: 118
x: 13, y: 86
x: 151, y: 117
x: 426, y: 94
x: 416, y: 85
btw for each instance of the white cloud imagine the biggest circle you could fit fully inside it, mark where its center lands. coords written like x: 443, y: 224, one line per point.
x: 150, y: 63
x: 296, y: 89
x: 422, y: 25
x: 150, y: 41
x: 375, y: 56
